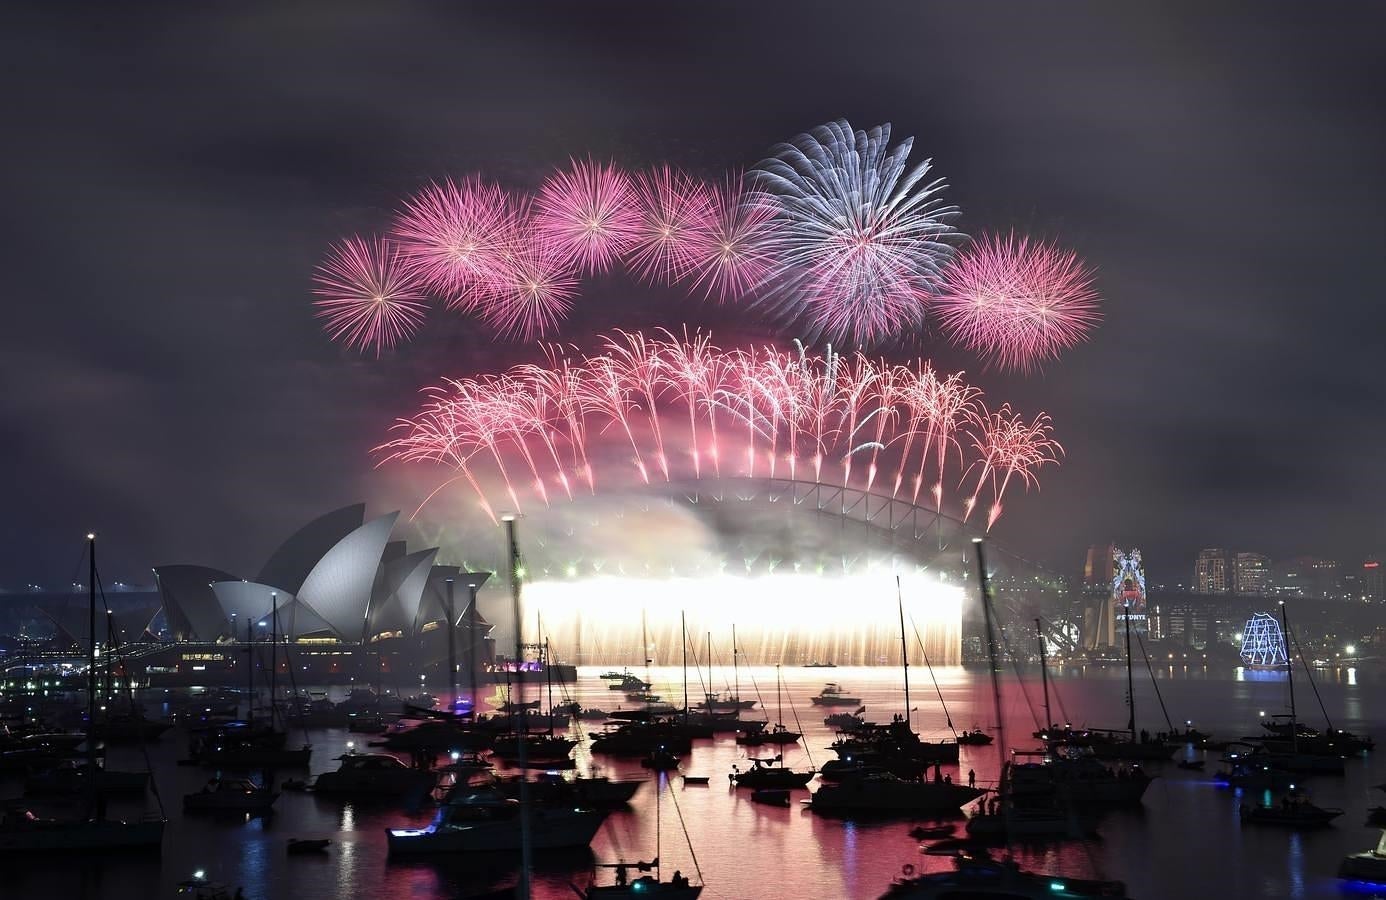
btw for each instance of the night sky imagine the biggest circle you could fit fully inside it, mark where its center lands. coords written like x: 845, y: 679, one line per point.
x: 172, y: 176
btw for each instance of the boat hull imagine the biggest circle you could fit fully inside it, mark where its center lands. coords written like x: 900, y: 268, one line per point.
x: 82, y: 836
x: 550, y: 829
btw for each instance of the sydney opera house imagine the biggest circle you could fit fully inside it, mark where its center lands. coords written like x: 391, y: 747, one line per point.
x: 349, y: 602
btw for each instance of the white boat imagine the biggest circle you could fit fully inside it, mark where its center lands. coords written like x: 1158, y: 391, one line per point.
x: 230, y: 795
x: 1369, y: 865
x: 481, y: 819
x: 375, y: 775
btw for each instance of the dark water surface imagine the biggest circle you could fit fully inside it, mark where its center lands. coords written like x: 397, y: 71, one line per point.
x: 1186, y: 840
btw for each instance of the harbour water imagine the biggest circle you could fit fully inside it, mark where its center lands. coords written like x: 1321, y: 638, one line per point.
x: 1186, y: 840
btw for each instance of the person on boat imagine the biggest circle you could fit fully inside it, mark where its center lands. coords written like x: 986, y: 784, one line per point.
x: 620, y: 876
x: 948, y: 779
x: 971, y: 778
x: 938, y: 773
x: 679, y: 880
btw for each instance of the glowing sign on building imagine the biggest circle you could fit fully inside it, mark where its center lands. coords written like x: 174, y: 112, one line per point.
x: 1128, y: 592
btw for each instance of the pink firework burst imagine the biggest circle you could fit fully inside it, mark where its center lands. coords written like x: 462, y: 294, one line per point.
x: 455, y: 234
x: 368, y: 297
x: 676, y: 225
x: 589, y: 213
x: 1017, y: 302
x: 530, y: 288
x: 739, y: 252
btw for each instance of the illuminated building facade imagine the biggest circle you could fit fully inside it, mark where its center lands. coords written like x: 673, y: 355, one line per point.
x: 1128, y: 595
x: 1252, y: 574
x: 1212, y: 573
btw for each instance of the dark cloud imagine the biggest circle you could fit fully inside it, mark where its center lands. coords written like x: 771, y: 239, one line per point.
x: 173, y: 173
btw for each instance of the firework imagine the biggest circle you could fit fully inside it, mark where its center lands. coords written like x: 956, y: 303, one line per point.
x: 367, y: 296
x: 802, y: 416
x: 589, y: 214
x: 529, y: 289
x: 457, y: 234
x: 1017, y: 302
x: 862, y: 237
x: 739, y: 252
x: 676, y: 225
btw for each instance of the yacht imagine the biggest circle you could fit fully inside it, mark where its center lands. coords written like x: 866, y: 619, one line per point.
x: 482, y: 819
x: 375, y: 775
x: 230, y: 795
x: 887, y: 794
x: 766, y: 774
x: 1293, y: 811
x: 832, y: 695
x: 23, y: 832
x: 979, y: 877
x: 1369, y: 865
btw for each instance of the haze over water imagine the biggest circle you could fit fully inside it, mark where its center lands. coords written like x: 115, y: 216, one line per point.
x: 1185, y: 841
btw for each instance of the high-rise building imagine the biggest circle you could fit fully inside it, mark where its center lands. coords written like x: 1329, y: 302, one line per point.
x: 1211, y: 575
x: 1373, y: 581
x: 1251, y: 574
x: 1099, y: 567
x: 1310, y: 577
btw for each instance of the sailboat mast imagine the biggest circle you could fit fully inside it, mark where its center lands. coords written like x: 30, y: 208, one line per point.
x: 736, y: 677
x: 452, y: 650
x: 1290, y: 675
x: 1130, y: 684
x: 985, y: 587
x: 904, y: 651
x: 274, y: 646
x: 91, y: 655
x: 683, y: 623
x: 526, y: 847
x: 249, y: 671
x: 1044, y: 676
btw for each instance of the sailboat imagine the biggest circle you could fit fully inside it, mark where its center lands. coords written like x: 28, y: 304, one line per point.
x: 23, y: 832
x: 777, y: 735
x: 624, y: 887
x: 770, y: 773
x: 975, y: 874
x: 880, y: 765
x: 1106, y: 744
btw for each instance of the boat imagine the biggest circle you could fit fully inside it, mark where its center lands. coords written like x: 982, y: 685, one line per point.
x: 307, y: 845
x: 696, y: 779
x: 1369, y: 865
x: 199, y: 888
x: 820, y: 665
x: 931, y: 832
x: 977, y: 876
x: 660, y: 760
x: 770, y: 773
x: 612, y: 675
x: 841, y: 721
x: 591, y: 714
x: 1191, y: 765
x: 596, y: 792
x: 375, y: 775
x: 715, y: 702
x: 832, y: 695
x: 630, y: 684
x: 623, y: 886
x: 477, y: 818
x: 777, y: 735
x: 770, y: 796
x: 22, y: 832
x: 73, y: 778
x: 1293, y: 811
x: 885, y: 794
x: 974, y: 738
x: 230, y: 795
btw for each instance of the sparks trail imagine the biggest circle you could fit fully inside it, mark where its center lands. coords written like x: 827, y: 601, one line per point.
x: 558, y: 420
